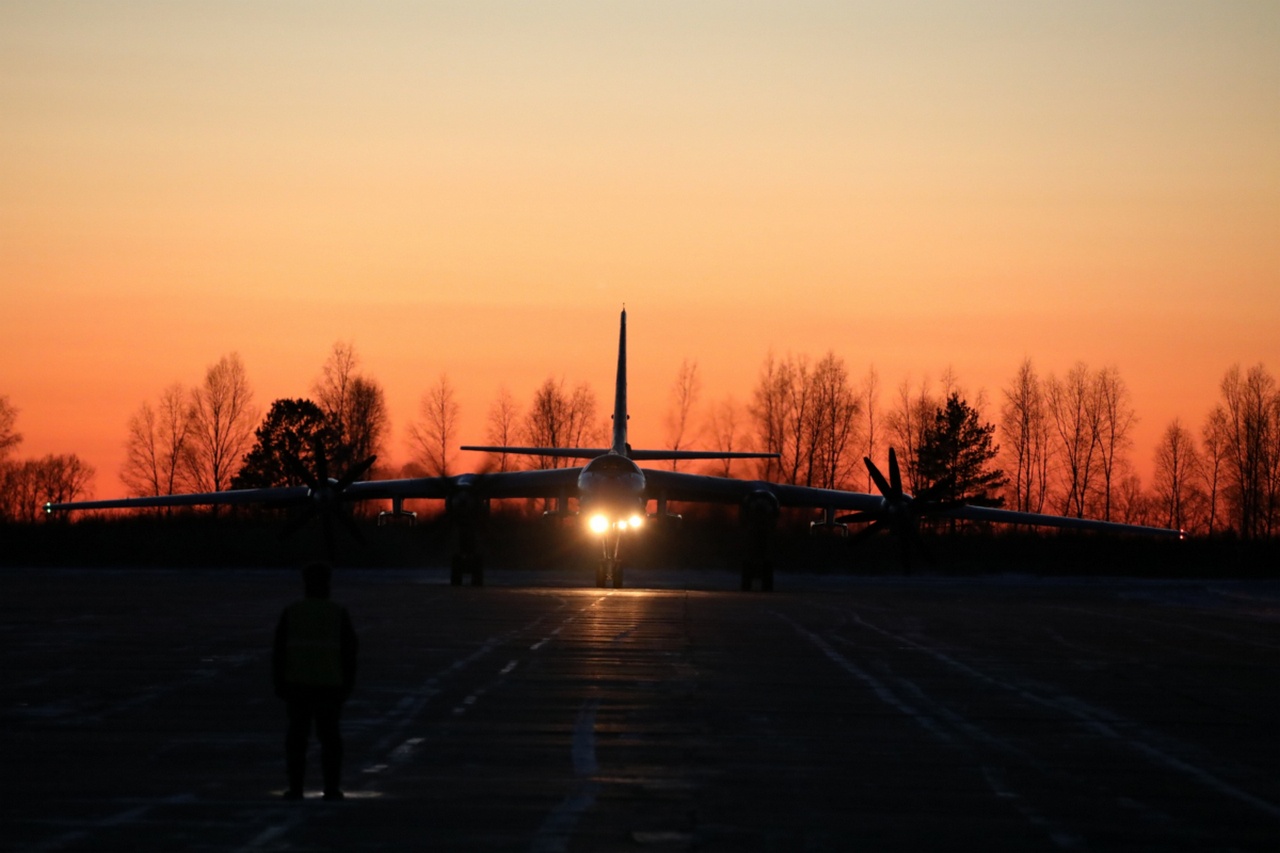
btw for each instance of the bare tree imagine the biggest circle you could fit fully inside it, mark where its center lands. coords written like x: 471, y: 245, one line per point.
x: 9, y: 437
x: 1073, y: 408
x: 560, y: 419
x: 768, y: 410
x: 1024, y: 424
x: 684, y: 396
x: 504, y: 419
x: 222, y: 424
x: 871, y: 410
x: 354, y: 406
x: 546, y: 424
x: 726, y: 423
x: 1133, y: 504
x: 1177, y: 472
x: 907, y: 424
x: 157, y: 444
x: 585, y: 430
x: 332, y: 389
x: 1252, y: 409
x: 1115, y: 418
x: 832, y: 424
x: 808, y: 414
x: 1213, y: 437
x: 29, y: 484
x: 26, y: 486
x: 431, y: 437
x: 367, y: 420
x: 797, y: 398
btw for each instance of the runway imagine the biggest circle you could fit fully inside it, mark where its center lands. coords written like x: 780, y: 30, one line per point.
x: 834, y: 714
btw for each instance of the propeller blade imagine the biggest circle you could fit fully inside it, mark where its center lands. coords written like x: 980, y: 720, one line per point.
x: 326, y: 524
x: 904, y: 543
x: 356, y: 472
x: 895, y: 476
x: 856, y: 517
x: 326, y: 502
x: 870, y: 530
x: 292, y: 525
x: 322, y: 462
x: 352, y: 527
x: 881, y: 483
x: 298, y: 470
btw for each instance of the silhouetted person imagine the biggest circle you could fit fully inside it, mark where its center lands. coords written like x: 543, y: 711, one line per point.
x: 313, y: 665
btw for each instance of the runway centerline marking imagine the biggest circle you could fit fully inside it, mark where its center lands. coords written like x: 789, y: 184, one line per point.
x: 554, y: 834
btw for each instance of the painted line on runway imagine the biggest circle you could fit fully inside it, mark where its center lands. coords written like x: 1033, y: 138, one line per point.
x: 556, y: 831
x: 407, y: 710
x: 78, y: 837
x: 1101, y: 722
x: 568, y: 621
x: 878, y: 687
x: 1166, y: 623
x: 935, y: 724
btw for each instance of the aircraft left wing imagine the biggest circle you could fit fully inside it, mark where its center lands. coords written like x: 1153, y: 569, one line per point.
x: 677, y: 486
x: 1067, y: 522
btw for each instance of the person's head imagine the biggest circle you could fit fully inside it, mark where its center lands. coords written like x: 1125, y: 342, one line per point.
x: 315, y: 580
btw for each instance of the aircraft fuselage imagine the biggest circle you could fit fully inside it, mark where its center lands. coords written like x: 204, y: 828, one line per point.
x: 611, y: 493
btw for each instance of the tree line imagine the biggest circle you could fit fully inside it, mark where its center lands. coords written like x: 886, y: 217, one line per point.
x: 26, y: 484
x: 1064, y: 442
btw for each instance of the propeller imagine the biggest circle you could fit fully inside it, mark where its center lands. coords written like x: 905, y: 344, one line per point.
x: 324, y: 495
x: 899, y: 512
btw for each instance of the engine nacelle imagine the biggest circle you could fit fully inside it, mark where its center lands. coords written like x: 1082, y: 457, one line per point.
x: 760, y: 509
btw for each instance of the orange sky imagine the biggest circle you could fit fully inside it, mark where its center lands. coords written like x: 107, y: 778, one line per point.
x: 476, y: 188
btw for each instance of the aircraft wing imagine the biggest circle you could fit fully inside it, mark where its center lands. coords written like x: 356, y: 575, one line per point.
x: 510, y: 484
x: 505, y: 484
x: 233, y: 497
x: 677, y: 486
x: 1008, y: 516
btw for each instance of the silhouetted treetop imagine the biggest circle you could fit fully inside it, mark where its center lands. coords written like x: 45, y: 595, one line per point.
x: 287, y: 438
x: 956, y: 456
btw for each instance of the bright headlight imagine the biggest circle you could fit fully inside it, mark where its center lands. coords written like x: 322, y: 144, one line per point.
x: 598, y: 523
x: 636, y: 520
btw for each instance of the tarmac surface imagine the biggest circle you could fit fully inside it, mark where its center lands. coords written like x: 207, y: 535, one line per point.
x: 834, y: 714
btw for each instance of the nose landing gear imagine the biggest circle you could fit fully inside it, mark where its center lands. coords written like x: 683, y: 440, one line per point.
x: 609, y: 569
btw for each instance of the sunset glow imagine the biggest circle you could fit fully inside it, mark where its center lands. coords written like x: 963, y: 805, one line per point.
x: 476, y: 189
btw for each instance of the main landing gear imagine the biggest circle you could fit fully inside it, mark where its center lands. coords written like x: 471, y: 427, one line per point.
x: 759, y: 517
x: 467, y: 561
x: 466, y: 564
x: 757, y: 567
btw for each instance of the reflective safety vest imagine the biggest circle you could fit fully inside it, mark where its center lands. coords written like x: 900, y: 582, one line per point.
x: 313, y: 643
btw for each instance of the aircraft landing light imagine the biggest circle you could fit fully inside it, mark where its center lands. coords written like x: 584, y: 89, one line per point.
x: 601, y: 523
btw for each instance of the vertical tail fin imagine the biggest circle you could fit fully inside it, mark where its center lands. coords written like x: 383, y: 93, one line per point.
x: 620, y: 392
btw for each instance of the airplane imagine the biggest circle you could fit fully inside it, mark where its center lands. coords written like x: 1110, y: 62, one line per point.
x: 613, y: 493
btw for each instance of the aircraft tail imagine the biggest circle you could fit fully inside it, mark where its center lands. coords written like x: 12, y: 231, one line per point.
x: 620, y: 393
x: 620, y: 416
